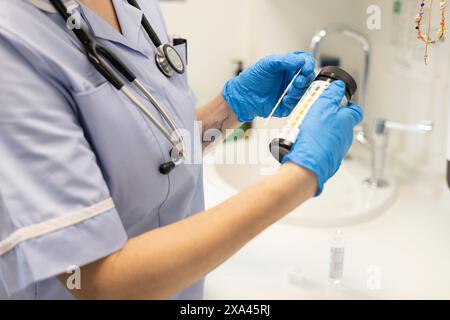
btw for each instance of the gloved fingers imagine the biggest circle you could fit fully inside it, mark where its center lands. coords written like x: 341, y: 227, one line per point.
x: 309, y: 66
x: 303, y: 81
x: 297, y: 90
x: 283, y: 112
x: 352, y: 113
x: 334, y: 94
x: 290, y: 102
x: 306, y: 75
x: 284, y: 62
x: 296, y: 93
x: 330, y: 101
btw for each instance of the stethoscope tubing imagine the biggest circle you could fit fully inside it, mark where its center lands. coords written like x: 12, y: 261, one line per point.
x: 164, y: 60
x: 94, y: 52
x: 174, y: 141
x: 147, y: 26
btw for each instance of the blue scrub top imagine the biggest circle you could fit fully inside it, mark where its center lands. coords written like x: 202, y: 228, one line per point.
x: 78, y: 162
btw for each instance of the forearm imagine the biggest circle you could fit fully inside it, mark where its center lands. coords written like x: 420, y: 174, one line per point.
x: 216, y: 116
x: 162, y: 262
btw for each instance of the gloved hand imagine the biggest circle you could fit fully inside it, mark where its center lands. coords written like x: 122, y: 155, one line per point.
x: 257, y: 90
x: 326, y: 135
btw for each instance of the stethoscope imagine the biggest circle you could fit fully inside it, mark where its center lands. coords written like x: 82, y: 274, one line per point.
x: 166, y: 58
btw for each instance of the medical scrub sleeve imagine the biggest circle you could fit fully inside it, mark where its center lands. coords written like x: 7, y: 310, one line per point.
x: 55, y: 207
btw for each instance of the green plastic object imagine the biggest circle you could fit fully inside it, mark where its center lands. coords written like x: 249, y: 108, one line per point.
x: 397, y: 7
x: 239, y: 133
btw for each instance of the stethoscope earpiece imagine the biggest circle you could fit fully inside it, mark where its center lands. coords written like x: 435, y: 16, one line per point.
x: 177, y: 159
x: 167, y: 167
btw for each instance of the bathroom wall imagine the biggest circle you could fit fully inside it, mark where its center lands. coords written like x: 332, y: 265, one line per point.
x: 287, y: 25
x: 220, y: 31
x: 401, y: 88
x: 216, y: 32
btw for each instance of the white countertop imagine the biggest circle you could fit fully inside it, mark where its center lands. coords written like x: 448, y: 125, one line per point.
x: 404, y: 254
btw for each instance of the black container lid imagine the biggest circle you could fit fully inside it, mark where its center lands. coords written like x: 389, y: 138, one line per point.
x: 337, y: 73
x: 280, y: 148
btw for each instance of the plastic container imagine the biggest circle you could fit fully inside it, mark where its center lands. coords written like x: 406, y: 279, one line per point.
x: 281, y: 146
x: 337, y: 254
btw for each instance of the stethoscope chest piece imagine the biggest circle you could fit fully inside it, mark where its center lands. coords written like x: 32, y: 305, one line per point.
x: 169, y: 60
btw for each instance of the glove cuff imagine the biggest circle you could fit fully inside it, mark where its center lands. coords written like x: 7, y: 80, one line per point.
x: 312, y: 168
x: 229, y: 94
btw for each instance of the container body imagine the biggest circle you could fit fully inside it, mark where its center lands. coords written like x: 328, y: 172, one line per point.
x: 282, y: 145
x: 337, y: 255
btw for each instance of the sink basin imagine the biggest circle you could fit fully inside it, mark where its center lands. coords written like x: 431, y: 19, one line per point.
x: 402, y: 255
x: 346, y: 200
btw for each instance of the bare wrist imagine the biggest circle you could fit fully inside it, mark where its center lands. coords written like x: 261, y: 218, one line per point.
x: 302, y: 176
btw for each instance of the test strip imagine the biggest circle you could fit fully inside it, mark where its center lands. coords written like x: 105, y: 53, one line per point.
x: 282, y: 96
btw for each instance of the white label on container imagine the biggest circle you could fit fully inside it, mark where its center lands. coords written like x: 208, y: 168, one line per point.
x: 295, y: 120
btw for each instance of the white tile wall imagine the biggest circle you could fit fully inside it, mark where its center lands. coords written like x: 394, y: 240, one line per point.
x: 401, y: 88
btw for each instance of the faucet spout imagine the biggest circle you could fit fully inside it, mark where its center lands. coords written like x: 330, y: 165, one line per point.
x: 366, y: 48
x: 378, y: 142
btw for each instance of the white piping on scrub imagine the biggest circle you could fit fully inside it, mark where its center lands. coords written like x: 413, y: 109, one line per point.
x: 48, y: 7
x: 55, y: 224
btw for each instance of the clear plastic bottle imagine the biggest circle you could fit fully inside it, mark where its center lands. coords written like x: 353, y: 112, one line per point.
x: 282, y: 145
x: 337, y: 255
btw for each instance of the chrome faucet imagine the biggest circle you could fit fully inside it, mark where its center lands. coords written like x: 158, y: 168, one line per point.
x: 377, y: 139
x: 378, y: 143
x: 316, y: 41
x: 367, y: 50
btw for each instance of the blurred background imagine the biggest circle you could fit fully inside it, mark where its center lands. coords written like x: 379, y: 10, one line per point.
x: 403, y: 243
x: 221, y: 32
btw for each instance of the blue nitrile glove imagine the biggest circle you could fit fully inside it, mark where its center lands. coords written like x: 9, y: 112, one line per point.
x: 257, y: 90
x: 326, y: 135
